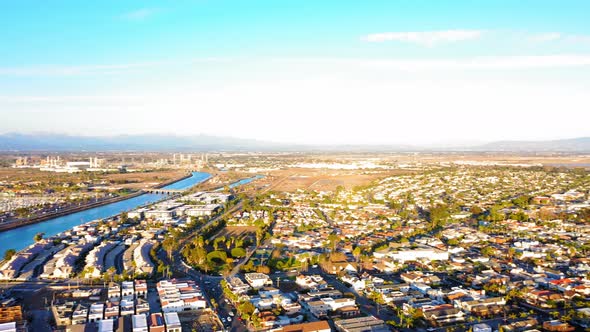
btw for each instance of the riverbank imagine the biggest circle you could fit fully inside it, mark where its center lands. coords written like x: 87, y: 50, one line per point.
x: 65, y: 212
x: 22, y: 237
x: 167, y: 183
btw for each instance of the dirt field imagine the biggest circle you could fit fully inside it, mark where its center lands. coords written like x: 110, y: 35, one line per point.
x: 125, y: 180
x: 141, y: 180
x: 327, y: 180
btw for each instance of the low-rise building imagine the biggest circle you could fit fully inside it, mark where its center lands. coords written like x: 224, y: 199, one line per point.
x: 258, y: 280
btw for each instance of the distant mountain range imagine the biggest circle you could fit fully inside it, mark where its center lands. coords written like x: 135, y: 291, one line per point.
x: 581, y: 144
x: 199, y: 143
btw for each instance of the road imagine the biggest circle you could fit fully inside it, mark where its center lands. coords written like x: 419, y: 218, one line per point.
x: 211, y: 284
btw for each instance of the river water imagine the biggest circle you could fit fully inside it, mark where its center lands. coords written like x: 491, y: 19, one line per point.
x: 21, y: 237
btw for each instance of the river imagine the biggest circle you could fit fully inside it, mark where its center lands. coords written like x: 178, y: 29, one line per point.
x: 242, y: 182
x: 21, y: 237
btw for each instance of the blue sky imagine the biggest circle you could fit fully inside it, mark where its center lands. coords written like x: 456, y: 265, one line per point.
x: 329, y: 67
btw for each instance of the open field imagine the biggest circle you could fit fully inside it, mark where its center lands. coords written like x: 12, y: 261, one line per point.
x: 328, y: 180
x: 144, y: 179
x: 135, y: 180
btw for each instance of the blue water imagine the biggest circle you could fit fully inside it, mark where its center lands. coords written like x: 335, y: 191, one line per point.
x: 243, y: 181
x: 21, y: 237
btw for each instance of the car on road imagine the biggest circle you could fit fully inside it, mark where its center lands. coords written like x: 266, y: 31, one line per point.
x: 231, y: 313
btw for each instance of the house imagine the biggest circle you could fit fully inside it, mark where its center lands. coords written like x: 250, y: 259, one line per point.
x: 156, y: 323
x: 142, y: 306
x: 176, y: 295
x: 111, y: 310
x: 237, y: 286
x: 556, y: 325
x: 10, y: 327
x: 172, y: 322
x: 258, y: 280
x: 444, y: 316
x: 139, y: 323
x: 361, y: 324
x: 470, y: 306
x: 321, y: 326
x: 127, y: 307
x: 290, y: 308
x: 336, y: 304
x: 80, y: 315
x: 312, y: 281
x: 127, y: 290
x: 482, y: 327
x: 336, y: 267
x: 318, y: 308
x: 347, y: 312
x: 107, y: 325
x: 96, y: 312
x: 114, y: 292
x: 141, y: 289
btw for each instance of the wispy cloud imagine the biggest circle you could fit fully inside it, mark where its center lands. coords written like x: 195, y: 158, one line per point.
x: 473, y: 63
x: 99, y: 69
x: 425, y: 38
x: 58, y: 70
x: 578, y: 39
x: 556, y: 36
x: 545, y: 37
x: 139, y: 14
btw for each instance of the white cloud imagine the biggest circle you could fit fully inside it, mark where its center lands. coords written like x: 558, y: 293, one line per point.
x: 473, y: 63
x: 425, y: 38
x: 58, y: 70
x: 139, y: 14
x: 582, y: 39
x: 98, y: 69
x: 546, y: 37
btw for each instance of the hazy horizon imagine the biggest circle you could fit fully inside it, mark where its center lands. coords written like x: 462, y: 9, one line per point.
x: 299, y: 72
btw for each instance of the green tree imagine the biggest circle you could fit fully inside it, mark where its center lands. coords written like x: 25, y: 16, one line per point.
x: 438, y: 215
x: 9, y: 253
x: 238, y: 252
x: 38, y: 237
x: 333, y: 240
x: 169, y: 244
x: 356, y: 252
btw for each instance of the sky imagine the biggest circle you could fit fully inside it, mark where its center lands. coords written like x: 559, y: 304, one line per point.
x: 312, y: 72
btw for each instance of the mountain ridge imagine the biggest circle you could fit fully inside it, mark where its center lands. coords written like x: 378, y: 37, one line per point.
x: 201, y: 143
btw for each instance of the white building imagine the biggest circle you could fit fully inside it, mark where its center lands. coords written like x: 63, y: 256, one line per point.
x: 172, y: 322
x: 139, y: 323
x: 258, y: 280
x: 482, y: 327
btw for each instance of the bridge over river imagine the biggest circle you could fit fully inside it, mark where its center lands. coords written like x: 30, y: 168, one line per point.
x: 163, y: 191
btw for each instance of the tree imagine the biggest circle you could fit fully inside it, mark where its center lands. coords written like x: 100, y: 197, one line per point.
x: 495, y: 214
x: 263, y: 269
x: 238, y: 252
x: 333, y: 240
x: 521, y: 201
x: 169, y: 244
x: 438, y: 215
x: 38, y: 237
x: 356, y: 252
x: 488, y: 251
x: 246, y: 308
x: 9, y: 253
